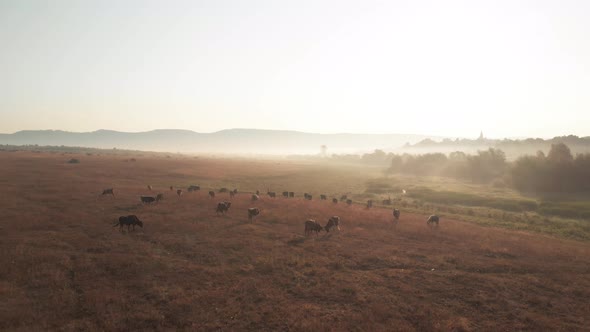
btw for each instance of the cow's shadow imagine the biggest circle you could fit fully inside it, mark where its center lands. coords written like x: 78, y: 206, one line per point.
x: 325, y: 237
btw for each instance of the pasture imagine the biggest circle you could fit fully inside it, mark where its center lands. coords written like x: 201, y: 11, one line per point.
x: 65, y: 267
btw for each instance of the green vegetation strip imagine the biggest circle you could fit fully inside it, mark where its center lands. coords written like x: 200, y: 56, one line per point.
x: 458, y: 198
x: 576, y: 210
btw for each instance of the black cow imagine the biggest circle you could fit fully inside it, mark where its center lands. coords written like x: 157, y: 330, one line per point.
x: 128, y: 221
x: 433, y: 219
x: 193, y: 188
x: 151, y: 199
x: 323, y: 197
x: 312, y: 226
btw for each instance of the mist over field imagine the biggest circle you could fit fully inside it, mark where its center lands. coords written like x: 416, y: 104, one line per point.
x: 256, y: 142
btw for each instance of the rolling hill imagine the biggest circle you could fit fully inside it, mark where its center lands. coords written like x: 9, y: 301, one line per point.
x: 242, y: 141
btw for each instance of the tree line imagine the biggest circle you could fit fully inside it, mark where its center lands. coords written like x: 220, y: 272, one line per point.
x: 558, y: 171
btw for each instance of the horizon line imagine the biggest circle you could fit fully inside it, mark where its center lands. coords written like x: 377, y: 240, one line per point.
x: 280, y: 130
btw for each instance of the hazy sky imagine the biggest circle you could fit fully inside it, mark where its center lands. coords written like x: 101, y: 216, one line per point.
x: 452, y: 68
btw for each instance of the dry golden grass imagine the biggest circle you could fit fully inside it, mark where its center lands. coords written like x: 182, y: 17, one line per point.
x: 64, y: 267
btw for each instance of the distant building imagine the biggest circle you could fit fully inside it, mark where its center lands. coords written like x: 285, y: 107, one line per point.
x: 481, y: 138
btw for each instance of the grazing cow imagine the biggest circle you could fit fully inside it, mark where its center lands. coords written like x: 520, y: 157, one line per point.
x: 253, y: 212
x: 223, y: 190
x: 193, y: 188
x: 349, y: 202
x: 179, y: 192
x: 291, y: 194
x: 433, y: 219
x: 272, y: 194
x: 396, y: 214
x: 335, y: 200
x: 343, y: 198
x: 211, y: 194
x: 387, y: 201
x: 323, y: 197
x: 255, y: 197
x: 231, y: 194
x: 147, y: 199
x: 222, y: 207
x: 285, y: 194
x: 333, y: 222
x: 369, y: 204
x: 149, y: 187
x: 307, y: 196
x: 128, y: 221
x: 151, y: 199
x: 312, y: 226
x: 108, y: 191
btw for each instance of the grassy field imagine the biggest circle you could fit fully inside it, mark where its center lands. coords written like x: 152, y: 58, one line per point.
x: 66, y: 268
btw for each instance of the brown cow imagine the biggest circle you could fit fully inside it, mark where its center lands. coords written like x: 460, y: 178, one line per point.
x: 222, y: 207
x: 333, y: 222
x: 108, y: 191
x: 253, y: 212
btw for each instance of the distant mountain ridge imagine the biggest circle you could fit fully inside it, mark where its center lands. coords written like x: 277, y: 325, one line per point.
x: 245, y: 141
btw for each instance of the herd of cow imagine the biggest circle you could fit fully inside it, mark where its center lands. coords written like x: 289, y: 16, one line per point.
x: 223, y: 207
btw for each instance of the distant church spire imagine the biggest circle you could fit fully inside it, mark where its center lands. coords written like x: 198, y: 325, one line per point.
x: 481, y: 136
